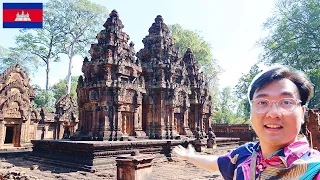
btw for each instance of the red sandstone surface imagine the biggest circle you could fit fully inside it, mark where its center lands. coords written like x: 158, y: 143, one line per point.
x: 19, y: 168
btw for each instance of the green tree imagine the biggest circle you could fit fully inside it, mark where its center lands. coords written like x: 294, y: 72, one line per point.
x: 201, y: 49
x: 241, y: 91
x: 294, y: 39
x: 42, y: 42
x: 80, y: 21
x: 225, y: 113
x: 10, y: 57
x: 44, y: 98
x: 68, y: 27
x: 59, y: 89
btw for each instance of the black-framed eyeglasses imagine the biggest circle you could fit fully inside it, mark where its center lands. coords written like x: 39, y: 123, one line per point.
x: 262, y: 105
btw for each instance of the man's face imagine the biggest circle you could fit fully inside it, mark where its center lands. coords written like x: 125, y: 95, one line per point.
x: 277, y: 127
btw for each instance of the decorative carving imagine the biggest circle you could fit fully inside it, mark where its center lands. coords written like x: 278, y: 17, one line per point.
x: 66, y: 109
x: 16, y: 110
x: 111, y: 78
x: 311, y: 128
x: 158, y: 79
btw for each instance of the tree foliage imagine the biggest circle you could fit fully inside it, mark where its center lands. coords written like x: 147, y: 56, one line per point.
x: 68, y: 28
x: 10, y: 57
x: 226, y: 113
x: 48, y: 98
x: 79, y: 21
x: 59, y: 89
x: 294, y: 39
x: 189, y: 39
x: 201, y: 49
x: 241, y: 91
x: 42, y: 42
x: 44, y: 98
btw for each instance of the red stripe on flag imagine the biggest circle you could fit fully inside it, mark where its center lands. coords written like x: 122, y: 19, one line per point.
x: 10, y: 15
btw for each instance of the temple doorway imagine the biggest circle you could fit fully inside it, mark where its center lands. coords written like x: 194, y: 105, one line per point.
x: 10, y: 135
x: 127, y: 123
x: 66, y: 133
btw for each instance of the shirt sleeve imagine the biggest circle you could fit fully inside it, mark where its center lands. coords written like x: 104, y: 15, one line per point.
x: 229, y: 162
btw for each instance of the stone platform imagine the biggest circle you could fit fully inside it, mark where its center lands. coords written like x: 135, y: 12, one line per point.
x: 100, y: 155
x: 94, y: 155
x: 7, y: 151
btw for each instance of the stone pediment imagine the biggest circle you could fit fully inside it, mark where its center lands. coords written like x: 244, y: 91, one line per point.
x: 15, y: 93
x: 66, y: 109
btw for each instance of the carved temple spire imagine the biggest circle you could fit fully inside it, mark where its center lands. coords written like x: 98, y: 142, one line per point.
x: 159, y: 27
x: 113, y: 23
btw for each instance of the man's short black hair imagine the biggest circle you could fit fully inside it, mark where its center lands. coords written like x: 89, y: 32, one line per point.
x: 281, y: 72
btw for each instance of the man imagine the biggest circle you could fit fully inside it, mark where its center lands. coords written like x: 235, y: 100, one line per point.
x: 278, y: 97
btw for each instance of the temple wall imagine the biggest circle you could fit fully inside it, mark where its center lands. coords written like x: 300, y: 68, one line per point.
x: 242, y: 131
x: 50, y: 131
x: 313, y: 125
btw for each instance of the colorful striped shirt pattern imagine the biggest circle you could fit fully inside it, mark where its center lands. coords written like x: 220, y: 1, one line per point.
x: 296, y: 161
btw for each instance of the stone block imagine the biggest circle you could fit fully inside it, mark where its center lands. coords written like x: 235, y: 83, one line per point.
x: 134, y: 167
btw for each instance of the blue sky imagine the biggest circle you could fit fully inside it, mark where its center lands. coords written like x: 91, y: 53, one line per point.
x: 232, y: 27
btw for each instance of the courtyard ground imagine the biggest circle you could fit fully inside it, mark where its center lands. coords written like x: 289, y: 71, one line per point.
x: 162, y: 168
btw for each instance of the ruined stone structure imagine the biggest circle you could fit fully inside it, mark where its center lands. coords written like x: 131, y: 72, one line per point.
x: 242, y: 131
x: 110, y: 95
x: 177, y: 99
x: 156, y: 95
x: 47, y: 125
x: 312, y: 128
x: 200, y: 99
x: 18, y: 119
x: 166, y: 103
x: 66, y: 117
x: 63, y: 123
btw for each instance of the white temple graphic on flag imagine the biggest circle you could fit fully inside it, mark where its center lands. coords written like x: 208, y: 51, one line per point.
x: 22, y: 17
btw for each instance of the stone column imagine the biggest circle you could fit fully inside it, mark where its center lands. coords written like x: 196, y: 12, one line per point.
x: 138, y: 122
x: 134, y: 167
x: 24, y: 131
x: 117, y: 123
x: 17, y: 138
x: 185, y: 123
x: 162, y: 130
x: 2, y: 133
x: 35, y: 127
x: 150, y: 119
x: 172, y: 128
x: 108, y: 124
x: 61, y: 130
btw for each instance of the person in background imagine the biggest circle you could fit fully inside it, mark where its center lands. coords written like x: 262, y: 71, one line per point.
x: 278, y: 97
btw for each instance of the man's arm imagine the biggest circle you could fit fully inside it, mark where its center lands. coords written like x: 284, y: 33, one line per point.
x: 204, y: 161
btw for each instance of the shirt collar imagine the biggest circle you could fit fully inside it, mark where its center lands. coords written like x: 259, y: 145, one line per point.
x: 290, y: 153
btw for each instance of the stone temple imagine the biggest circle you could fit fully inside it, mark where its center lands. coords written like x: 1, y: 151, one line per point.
x: 148, y: 101
x: 155, y: 93
x: 18, y: 118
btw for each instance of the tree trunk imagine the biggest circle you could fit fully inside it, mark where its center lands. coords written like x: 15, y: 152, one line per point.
x: 47, y: 78
x: 69, y: 76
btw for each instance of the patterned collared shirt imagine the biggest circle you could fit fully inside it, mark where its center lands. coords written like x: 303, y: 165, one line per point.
x: 236, y: 164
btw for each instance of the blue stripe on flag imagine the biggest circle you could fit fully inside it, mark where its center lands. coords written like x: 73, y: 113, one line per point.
x: 22, y: 24
x: 22, y: 5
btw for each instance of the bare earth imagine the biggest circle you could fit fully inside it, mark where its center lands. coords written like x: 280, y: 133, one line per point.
x: 163, y: 168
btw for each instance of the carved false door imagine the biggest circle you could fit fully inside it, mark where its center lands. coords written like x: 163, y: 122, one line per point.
x: 178, y: 122
x: 127, y: 123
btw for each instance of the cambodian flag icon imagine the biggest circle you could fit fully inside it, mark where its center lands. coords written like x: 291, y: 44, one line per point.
x: 22, y: 15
